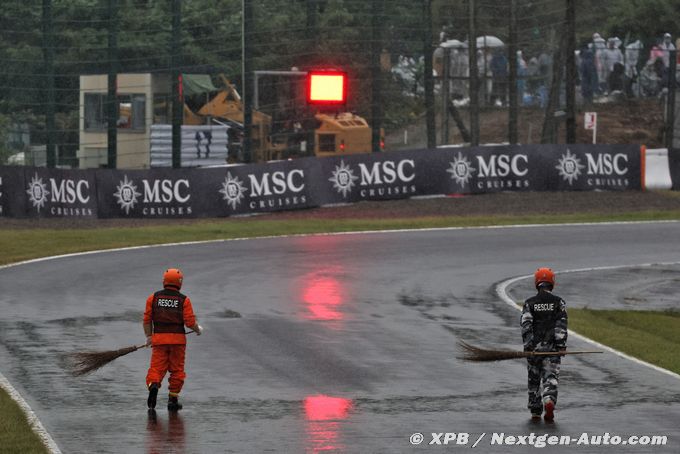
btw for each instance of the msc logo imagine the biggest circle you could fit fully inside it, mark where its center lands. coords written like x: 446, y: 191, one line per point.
x: 602, y: 164
x: 607, y: 164
x: 502, y: 165
x: 65, y: 191
x: 495, y: 171
x: 166, y: 191
x: 387, y: 172
x: 126, y: 194
x: 343, y: 179
x: 37, y: 192
x: 277, y: 183
x: 153, y: 191
x: 569, y: 167
x: 375, y: 174
x: 232, y: 190
x: 461, y: 170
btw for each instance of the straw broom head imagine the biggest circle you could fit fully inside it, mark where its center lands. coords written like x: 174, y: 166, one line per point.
x: 83, y: 363
x: 476, y: 354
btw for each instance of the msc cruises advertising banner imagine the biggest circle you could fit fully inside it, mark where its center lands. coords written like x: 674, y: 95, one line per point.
x: 312, y: 182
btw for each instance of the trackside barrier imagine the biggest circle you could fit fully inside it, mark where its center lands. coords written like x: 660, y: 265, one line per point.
x: 312, y: 182
x: 657, y: 169
x: 674, y: 165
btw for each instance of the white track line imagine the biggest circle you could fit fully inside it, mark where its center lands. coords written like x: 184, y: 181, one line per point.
x: 501, y: 291
x: 54, y: 449
x: 360, y: 232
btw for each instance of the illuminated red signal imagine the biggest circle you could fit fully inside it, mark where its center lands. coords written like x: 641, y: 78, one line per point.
x: 326, y: 87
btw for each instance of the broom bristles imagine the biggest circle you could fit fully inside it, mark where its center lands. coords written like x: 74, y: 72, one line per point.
x: 83, y: 363
x: 476, y: 354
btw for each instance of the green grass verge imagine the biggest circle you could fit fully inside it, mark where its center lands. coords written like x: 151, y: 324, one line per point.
x: 27, y: 243
x: 23, y: 244
x: 15, y: 434
x: 652, y: 336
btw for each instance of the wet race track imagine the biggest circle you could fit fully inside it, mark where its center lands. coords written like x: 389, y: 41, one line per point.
x: 337, y: 343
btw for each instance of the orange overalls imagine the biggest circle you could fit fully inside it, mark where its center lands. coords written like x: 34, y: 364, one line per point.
x: 168, y: 311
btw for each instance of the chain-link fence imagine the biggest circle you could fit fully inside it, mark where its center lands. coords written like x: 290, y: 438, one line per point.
x: 88, y: 83
x: 523, y: 52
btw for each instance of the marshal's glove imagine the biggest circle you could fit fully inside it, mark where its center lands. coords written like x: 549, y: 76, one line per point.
x: 148, y: 341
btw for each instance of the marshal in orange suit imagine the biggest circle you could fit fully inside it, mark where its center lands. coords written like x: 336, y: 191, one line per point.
x: 167, y: 313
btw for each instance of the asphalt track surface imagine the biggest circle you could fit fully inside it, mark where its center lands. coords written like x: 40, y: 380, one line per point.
x: 344, y: 343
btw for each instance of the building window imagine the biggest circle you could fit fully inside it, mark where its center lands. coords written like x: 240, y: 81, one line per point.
x: 162, y: 109
x: 94, y: 112
x: 131, y: 112
x: 327, y: 142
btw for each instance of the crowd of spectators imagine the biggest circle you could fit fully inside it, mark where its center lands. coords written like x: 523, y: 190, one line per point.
x: 607, y: 69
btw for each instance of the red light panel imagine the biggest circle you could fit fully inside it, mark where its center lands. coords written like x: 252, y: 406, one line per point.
x: 326, y: 87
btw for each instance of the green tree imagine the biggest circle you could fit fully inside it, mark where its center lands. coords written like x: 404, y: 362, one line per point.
x: 644, y: 19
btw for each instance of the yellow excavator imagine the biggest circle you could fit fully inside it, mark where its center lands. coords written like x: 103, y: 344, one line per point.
x: 333, y: 133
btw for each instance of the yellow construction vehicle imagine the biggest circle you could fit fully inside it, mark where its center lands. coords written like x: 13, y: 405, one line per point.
x: 342, y: 133
x: 334, y: 133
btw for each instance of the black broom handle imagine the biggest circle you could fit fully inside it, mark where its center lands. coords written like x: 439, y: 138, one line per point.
x: 137, y: 347
x: 565, y: 352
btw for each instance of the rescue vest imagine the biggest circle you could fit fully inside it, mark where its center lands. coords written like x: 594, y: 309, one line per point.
x: 545, y: 307
x: 167, y: 311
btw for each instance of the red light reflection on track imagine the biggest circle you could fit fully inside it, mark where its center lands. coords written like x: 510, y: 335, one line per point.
x: 326, y: 408
x: 324, y: 414
x: 323, y: 297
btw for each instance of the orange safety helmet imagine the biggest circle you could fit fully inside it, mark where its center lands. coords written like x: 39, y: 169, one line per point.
x: 173, y: 278
x: 544, y: 275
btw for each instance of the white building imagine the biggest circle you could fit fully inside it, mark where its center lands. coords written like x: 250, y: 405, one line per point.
x: 143, y: 99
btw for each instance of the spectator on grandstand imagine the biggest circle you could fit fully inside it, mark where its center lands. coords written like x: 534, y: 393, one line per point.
x: 631, y: 70
x: 610, y: 57
x: 499, y: 72
x: 588, y: 73
x: 598, y: 47
x: 666, y: 46
x: 616, y: 79
x: 521, y: 75
x: 653, y: 77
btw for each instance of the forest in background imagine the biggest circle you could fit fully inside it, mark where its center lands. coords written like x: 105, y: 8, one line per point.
x: 287, y: 33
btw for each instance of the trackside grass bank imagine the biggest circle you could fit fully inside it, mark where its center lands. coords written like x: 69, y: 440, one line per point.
x: 627, y: 332
x: 15, y: 434
x: 652, y: 336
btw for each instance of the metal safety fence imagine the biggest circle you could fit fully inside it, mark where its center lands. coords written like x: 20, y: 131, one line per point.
x: 87, y: 84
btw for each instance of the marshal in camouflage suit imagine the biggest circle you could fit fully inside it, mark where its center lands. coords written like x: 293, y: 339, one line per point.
x: 544, y: 329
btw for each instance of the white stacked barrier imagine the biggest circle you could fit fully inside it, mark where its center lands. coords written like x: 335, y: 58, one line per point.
x: 657, y: 169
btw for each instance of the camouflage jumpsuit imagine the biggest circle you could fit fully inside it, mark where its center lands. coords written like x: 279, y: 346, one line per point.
x: 544, y: 328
